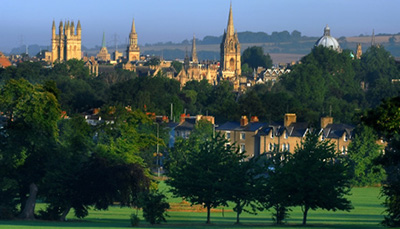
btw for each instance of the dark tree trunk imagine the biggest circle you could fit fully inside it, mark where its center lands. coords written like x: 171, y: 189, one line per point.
x: 208, y: 214
x: 64, y: 214
x: 305, y: 215
x: 238, y: 212
x: 29, y: 208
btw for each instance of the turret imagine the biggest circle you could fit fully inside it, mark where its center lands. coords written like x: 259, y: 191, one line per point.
x: 61, y: 29
x: 67, y: 29
x: 78, y: 29
x: 53, y: 30
x: 72, y: 28
x: 194, y: 51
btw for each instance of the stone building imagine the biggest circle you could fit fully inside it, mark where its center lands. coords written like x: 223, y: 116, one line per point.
x: 230, y: 65
x: 133, y: 50
x: 67, y: 44
x: 103, y: 55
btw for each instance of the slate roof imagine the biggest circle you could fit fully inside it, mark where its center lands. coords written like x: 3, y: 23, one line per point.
x: 251, y: 126
x: 188, y: 124
x: 297, y: 129
x: 337, y: 130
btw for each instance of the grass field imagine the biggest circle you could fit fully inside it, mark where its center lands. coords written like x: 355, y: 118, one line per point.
x: 367, y: 213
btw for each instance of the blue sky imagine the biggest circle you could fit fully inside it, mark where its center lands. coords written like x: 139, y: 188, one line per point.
x: 176, y: 20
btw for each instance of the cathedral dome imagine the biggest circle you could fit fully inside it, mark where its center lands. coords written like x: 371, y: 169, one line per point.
x: 328, y: 41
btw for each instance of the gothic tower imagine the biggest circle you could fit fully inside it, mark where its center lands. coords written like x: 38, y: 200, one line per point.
x: 66, y: 44
x: 194, y: 52
x: 133, y: 51
x: 230, y: 52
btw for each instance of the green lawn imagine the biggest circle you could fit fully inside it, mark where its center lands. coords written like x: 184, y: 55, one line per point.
x: 366, y: 214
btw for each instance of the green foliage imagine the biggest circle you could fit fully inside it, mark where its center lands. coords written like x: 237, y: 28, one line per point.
x: 154, y: 61
x: 316, y: 177
x: 254, y: 57
x: 363, y: 152
x: 385, y: 119
x: 203, y: 177
x: 135, y: 220
x: 154, y: 206
x: 177, y: 65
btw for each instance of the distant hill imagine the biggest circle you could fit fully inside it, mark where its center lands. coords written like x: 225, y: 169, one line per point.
x: 283, y: 46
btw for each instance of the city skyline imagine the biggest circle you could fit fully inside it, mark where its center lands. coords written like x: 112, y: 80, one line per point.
x: 174, y: 20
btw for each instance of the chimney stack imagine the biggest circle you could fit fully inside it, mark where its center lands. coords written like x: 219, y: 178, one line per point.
x: 326, y: 121
x: 244, y: 121
x: 289, y: 119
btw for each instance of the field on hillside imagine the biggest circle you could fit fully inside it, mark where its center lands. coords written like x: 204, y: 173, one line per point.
x: 367, y: 213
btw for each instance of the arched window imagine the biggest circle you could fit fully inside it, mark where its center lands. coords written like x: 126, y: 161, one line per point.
x: 232, y: 64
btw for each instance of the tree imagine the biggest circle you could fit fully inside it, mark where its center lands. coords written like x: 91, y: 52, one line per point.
x: 274, y: 193
x: 202, y: 178
x: 385, y: 119
x: 28, y: 137
x: 154, y: 206
x: 363, y: 153
x: 177, y: 65
x: 254, y: 57
x: 317, y: 177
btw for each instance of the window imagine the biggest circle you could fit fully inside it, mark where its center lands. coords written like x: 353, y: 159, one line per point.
x: 242, y: 148
x: 242, y: 136
x: 343, y: 150
x: 286, y: 134
x: 228, y: 135
x: 283, y: 147
x: 270, y: 147
x: 345, y: 138
x: 288, y: 147
x: 272, y: 134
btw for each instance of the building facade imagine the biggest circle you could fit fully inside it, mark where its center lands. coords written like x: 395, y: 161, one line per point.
x: 67, y: 44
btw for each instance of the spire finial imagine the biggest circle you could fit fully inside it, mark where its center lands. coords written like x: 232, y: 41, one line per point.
x: 194, y: 51
x: 230, y: 30
x: 103, y: 44
x: 327, y: 31
x: 133, y: 30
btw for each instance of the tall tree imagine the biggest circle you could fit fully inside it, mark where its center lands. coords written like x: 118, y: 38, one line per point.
x: 385, y: 119
x: 363, y: 153
x: 317, y: 177
x: 254, y: 57
x: 29, y: 136
x: 202, y: 178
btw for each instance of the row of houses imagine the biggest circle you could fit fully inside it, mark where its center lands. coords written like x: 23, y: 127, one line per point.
x: 258, y: 137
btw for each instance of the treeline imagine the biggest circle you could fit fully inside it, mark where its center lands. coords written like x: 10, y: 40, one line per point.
x: 325, y: 83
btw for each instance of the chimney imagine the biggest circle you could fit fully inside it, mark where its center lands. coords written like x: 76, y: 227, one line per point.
x: 244, y: 121
x: 326, y: 121
x: 289, y: 119
x: 182, y: 118
x: 254, y: 119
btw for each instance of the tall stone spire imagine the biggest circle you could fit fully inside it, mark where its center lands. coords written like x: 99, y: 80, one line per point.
x: 194, y: 51
x: 133, y: 51
x: 103, y: 44
x: 230, y: 30
x: 133, y: 30
x: 53, y: 30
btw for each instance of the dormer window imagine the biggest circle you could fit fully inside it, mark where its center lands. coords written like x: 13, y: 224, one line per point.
x: 286, y: 134
x: 345, y: 137
x: 228, y: 135
x: 272, y: 134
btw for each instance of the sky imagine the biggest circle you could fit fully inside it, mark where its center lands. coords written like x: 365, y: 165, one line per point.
x: 29, y: 21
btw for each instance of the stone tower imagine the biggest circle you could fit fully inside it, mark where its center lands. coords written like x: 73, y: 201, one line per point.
x: 194, y: 52
x: 230, y: 51
x: 359, y: 51
x: 133, y: 51
x: 67, y: 44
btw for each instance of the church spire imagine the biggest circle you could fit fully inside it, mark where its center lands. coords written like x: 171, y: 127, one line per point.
x: 133, y: 30
x: 194, y: 51
x: 103, y: 44
x: 230, y: 30
x: 373, y: 38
